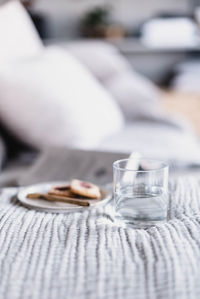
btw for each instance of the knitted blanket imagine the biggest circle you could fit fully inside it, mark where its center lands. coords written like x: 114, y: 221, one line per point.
x: 86, y: 255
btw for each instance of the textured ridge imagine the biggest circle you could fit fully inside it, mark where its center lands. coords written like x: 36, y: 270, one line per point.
x: 85, y: 255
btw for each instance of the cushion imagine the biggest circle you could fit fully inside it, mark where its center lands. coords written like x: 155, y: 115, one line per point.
x: 18, y: 36
x: 53, y: 100
x: 187, y: 78
x: 103, y: 59
x: 136, y: 95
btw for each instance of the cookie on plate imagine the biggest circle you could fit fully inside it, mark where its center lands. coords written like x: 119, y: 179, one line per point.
x: 85, y: 189
x: 63, y: 190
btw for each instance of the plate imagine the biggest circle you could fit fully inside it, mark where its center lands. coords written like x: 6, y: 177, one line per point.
x: 56, y: 207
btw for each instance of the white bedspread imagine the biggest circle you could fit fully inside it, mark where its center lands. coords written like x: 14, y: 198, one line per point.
x: 85, y: 255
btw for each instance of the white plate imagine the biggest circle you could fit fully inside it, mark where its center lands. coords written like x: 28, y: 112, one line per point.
x: 55, y: 207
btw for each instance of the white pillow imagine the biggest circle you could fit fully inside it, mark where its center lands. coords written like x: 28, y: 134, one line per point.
x: 102, y: 59
x: 136, y: 95
x: 187, y: 77
x: 53, y: 100
x: 18, y: 37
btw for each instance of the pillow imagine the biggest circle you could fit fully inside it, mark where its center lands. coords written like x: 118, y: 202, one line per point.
x: 53, y: 100
x: 18, y: 36
x: 136, y: 95
x: 102, y: 58
x: 187, y: 77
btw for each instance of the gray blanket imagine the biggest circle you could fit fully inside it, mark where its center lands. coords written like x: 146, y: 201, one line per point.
x: 85, y: 255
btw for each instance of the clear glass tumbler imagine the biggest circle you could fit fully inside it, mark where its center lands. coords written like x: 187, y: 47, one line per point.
x: 140, y: 191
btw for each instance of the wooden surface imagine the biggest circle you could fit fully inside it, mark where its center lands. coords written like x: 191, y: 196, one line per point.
x: 186, y: 105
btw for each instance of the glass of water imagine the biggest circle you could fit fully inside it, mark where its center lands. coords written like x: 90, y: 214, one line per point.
x: 140, y: 191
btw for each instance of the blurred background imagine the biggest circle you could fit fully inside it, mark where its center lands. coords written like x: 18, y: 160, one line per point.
x: 141, y: 62
x: 161, y: 39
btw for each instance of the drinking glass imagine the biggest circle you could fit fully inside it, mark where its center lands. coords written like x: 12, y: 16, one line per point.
x: 140, y: 191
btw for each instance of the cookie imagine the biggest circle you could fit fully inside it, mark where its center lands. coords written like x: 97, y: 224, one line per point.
x: 85, y: 189
x: 63, y: 190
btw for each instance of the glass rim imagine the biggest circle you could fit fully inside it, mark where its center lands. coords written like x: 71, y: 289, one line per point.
x: 163, y: 163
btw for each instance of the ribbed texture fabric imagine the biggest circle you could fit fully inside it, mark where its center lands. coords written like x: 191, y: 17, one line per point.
x: 85, y: 255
